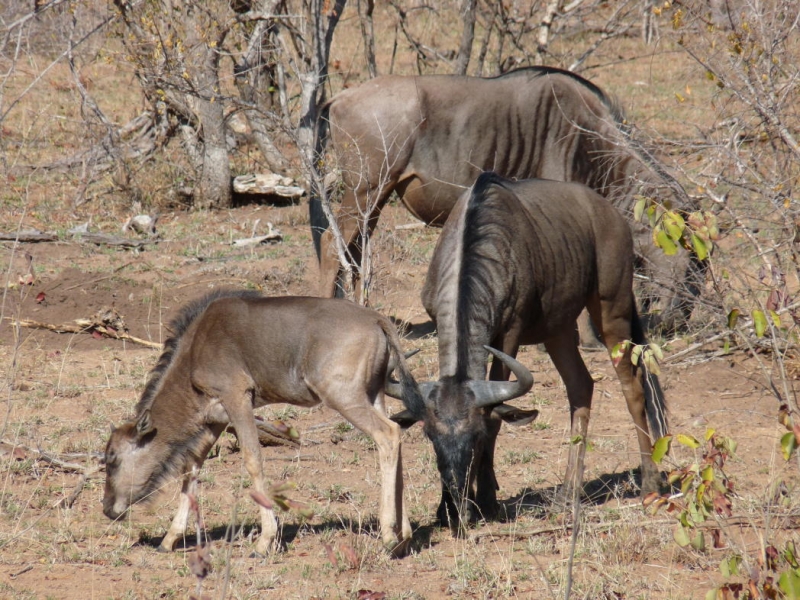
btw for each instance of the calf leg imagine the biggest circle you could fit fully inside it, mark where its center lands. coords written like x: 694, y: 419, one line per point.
x: 564, y: 353
x: 395, y: 526
x: 178, y: 526
x: 238, y: 403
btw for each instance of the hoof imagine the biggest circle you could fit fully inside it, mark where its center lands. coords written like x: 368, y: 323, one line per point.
x: 398, y: 549
x: 265, y: 548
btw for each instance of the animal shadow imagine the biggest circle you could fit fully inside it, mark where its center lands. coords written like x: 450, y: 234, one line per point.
x: 413, y: 331
x: 611, y: 486
x: 248, y: 533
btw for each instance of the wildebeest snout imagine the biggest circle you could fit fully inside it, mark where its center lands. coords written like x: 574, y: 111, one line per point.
x: 110, y: 511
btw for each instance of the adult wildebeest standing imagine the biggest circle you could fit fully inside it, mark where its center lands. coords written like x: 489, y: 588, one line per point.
x: 515, y: 264
x: 235, y: 351
x: 428, y: 138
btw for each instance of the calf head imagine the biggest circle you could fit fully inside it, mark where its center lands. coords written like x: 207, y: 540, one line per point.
x: 140, y: 457
x: 459, y: 417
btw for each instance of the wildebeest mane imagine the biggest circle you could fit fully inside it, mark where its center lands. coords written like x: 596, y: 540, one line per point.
x: 483, y: 282
x: 608, y: 101
x: 180, y: 453
x: 178, y: 326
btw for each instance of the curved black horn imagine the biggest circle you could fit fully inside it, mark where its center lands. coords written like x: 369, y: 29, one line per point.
x: 391, y: 387
x: 490, y: 393
x: 395, y: 390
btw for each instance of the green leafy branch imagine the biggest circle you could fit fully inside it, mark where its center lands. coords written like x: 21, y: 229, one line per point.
x: 706, y: 493
x: 705, y: 489
x: 697, y: 232
x: 647, y: 354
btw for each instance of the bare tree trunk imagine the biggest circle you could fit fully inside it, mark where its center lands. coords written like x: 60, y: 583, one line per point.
x: 467, y: 35
x: 649, y: 22
x: 543, y: 38
x: 312, y: 96
x: 250, y: 72
x: 365, y: 10
x: 213, y: 190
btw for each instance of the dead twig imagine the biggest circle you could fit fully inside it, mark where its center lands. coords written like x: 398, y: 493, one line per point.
x: 87, y: 472
x: 86, y: 326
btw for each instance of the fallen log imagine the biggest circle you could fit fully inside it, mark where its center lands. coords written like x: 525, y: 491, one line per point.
x: 28, y: 236
x: 267, y: 184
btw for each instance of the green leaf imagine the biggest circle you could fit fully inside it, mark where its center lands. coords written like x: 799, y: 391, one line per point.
x: 661, y: 448
x: 688, y: 440
x: 652, y: 215
x: 709, y: 433
x: 789, y: 582
x: 790, y: 555
x: 681, y: 537
x: 733, y: 318
x: 636, y: 353
x: 708, y: 473
x: 699, y: 541
x: 711, y: 594
x: 674, y: 225
x: 759, y: 322
x: 663, y: 241
x: 730, y: 566
x: 776, y: 318
x: 656, y: 350
x: 651, y: 364
x: 788, y: 445
x: 700, y: 247
x: 638, y: 207
x: 618, y: 351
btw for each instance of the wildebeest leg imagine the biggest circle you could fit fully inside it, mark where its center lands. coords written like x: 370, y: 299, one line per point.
x: 566, y: 357
x: 238, y: 402
x: 615, y: 330
x: 485, y: 478
x: 178, y: 526
x: 395, y: 526
x: 356, y: 207
x: 588, y: 333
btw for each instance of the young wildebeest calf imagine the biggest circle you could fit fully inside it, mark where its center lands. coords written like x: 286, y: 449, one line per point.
x: 235, y: 351
x: 515, y: 264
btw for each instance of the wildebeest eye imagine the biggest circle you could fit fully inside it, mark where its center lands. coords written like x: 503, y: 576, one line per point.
x: 109, y: 459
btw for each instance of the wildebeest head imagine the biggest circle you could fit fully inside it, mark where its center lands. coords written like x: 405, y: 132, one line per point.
x: 140, y: 457
x: 457, y: 416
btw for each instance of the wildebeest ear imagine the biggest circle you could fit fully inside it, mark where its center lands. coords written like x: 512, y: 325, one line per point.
x: 143, y: 425
x: 515, y: 416
x: 404, y: 418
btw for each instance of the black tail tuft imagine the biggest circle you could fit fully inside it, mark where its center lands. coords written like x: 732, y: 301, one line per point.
x: 655, y: 403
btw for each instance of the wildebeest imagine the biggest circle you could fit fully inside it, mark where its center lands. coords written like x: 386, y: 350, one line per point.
x: 233, y: 351
x: 515, y: 264
x: 428, y: 138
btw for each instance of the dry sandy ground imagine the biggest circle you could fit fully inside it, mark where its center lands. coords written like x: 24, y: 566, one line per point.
x: 62, y: 390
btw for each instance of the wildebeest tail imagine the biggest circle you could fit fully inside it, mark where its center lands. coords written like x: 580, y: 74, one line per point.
x: 316, y: 216
x: 655, y: 403
x: 411, y: 396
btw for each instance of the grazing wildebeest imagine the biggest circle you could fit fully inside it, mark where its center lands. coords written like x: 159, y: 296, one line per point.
x: 428, y: 138
x: 234, y: 351
x: 516, y: 264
